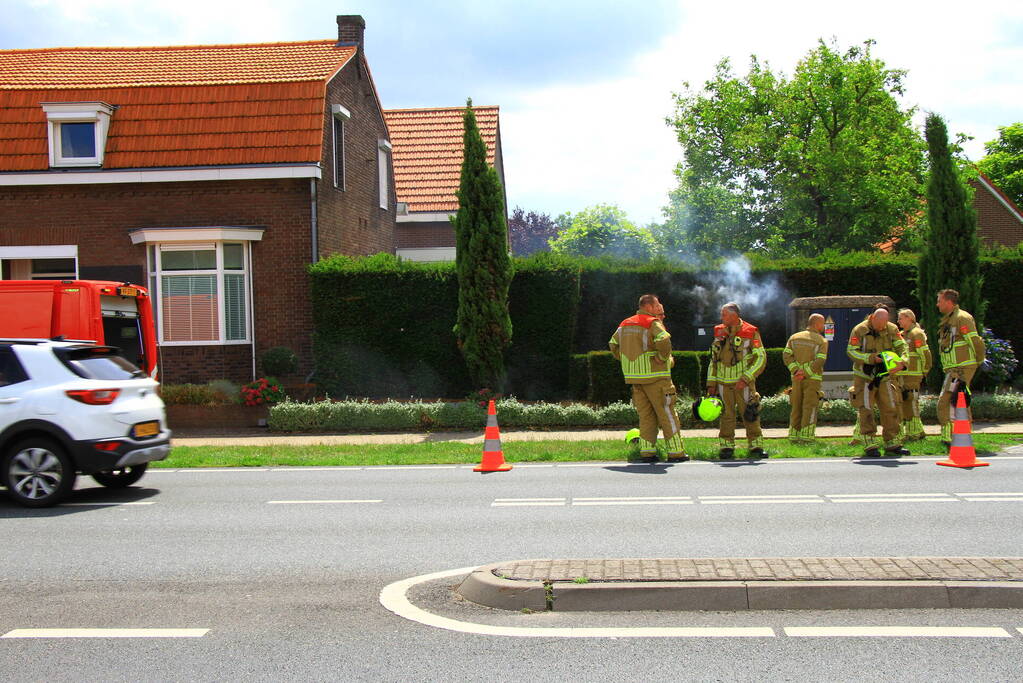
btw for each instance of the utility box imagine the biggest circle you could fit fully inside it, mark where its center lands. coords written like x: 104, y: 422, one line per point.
x: 703, y: 336
x: 841, y: 315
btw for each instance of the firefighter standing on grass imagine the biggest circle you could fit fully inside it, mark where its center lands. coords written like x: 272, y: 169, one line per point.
x: 643, y: 347
x: 878, y: 353
x: 913, y: 376
x: 737, y: 358
x: 804, y: 356
x: 962, y: 351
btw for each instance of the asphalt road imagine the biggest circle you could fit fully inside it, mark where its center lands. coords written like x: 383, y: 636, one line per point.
x: 279, y: 584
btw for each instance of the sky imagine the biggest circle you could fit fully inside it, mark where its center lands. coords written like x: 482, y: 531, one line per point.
x: 585, y: 87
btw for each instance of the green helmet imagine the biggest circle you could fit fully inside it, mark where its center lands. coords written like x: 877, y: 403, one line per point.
x: 708, y: 408
x: 890, y: 360
x: 632, y: 435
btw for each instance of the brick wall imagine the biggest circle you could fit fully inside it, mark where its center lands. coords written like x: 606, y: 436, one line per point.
x: 98, y: 219
x: 350, y: 220
x: 420, y: 235
x: 996, y: 225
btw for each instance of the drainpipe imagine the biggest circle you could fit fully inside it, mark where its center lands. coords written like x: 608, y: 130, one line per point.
x: 312, y: 213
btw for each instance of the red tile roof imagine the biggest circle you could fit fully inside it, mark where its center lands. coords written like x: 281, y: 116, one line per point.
x: 427, y: 153
x: 176, y: 106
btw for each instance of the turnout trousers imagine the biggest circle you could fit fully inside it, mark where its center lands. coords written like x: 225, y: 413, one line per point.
x: 946, y: 411
x: 804, y: 399
x: 912, y: 425
x: 886, y: 397
x: 655, y: 403
x: 735, y: 402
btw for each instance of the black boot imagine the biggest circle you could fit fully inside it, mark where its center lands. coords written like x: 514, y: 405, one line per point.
x: 757, y: 453
x: 726, y: 453
x: 896, y: 450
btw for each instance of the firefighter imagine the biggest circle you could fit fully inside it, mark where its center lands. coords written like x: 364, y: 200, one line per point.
x: 643, y: 347
x: 913, y: 376
x: 961, y: 351
x: 804, y: 356
x: 878, y: 353
x: 737, y: 358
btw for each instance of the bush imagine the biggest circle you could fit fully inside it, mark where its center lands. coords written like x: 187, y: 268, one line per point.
x: 362, y: 415
x: 265, y: 390
x: 193, y: 395
x: 279, y: 361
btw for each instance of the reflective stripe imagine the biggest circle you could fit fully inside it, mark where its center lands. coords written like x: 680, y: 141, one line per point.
x: 491, y: 420
x: 960, y: 414
x: 491, y: 445
x: 962, y: 440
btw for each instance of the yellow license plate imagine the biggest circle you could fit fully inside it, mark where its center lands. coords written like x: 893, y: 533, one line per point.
x: 127, y: 291
x: 144, y: 429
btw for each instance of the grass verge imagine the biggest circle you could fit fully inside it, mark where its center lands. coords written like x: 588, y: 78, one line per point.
x: 519, y: 451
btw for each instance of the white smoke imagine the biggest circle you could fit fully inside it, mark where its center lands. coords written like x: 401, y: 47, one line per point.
x: 759, y: 297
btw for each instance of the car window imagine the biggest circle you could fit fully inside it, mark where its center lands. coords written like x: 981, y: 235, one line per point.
x: 11, y: 371
x: 97, y: 362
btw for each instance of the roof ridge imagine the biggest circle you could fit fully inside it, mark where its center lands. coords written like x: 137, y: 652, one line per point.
x: 474, y: 108
x: 118, y: 48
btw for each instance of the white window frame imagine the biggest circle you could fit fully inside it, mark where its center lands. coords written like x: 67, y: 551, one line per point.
x: 200, y: 238
x: 59, y: 113
x: 383, y: 166
x: 42, y: 251
x: 339, y: 117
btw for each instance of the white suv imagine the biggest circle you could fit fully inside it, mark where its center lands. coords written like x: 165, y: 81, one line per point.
x: 73, y: 407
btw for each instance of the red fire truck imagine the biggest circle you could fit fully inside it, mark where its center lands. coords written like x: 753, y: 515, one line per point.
x: 117, y: 314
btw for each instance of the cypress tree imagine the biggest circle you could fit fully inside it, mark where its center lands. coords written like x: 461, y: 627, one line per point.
x: 483, y: 326
x: 950, y: 257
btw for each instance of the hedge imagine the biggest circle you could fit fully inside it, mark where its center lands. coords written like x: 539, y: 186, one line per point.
x: 362, y: 415
x: 605, y: 384
x: 383, y: 326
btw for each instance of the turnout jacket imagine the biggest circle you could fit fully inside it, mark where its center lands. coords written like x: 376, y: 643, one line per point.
x: 643, y: 347
x: 736, y: 353
x: 959, y: 345
x: 806, y: 351
x: 865, y: 341
x: 919, y: 352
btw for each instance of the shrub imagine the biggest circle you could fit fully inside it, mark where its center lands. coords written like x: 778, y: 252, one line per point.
x: 192, y: 395
x: 279, y: 361
x: 1000, y: 362
x: 262, y: 390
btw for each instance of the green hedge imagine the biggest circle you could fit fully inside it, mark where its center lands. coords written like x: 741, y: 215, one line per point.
x: 362, y: 415
x: 383, y: 327
x: 604, y: 383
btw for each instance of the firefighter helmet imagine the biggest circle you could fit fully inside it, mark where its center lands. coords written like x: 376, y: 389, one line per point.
x: 632, y: 436
x: 707, y: 408
x: 890, y: 360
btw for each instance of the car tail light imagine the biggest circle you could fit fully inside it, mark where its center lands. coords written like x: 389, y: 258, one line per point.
x: 94, y: 397
x: 107, y: 446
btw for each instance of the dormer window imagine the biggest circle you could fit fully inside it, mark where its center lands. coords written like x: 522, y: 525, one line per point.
x: 77, y: 132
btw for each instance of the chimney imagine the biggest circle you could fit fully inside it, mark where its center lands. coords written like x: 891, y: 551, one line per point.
x: 350, y: 30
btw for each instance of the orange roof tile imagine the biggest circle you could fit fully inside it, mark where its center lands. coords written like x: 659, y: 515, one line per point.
x: 427, y: 153
x: 175, y: 106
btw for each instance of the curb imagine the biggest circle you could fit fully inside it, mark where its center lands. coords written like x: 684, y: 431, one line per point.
x: 485, y: 588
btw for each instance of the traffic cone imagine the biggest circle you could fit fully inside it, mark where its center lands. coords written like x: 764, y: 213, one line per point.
x: 961, y: 453
x: 493, y: 456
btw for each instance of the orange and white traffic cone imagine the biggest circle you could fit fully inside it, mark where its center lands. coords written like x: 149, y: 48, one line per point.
x: 493, y: 456
x: 962, y: 453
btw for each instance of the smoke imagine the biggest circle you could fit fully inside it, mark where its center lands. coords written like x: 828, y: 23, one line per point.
x: 762, y: 298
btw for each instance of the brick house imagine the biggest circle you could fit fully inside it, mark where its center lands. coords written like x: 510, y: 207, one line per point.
x: 427, y: 168
x: 213, y: 174
x: 999, y: 220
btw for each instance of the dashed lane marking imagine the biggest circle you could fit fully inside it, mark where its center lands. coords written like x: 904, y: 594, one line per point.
x: 105, y: 505
x: 896, y: 632
x: 106, y: 633
x: 394, y: 598
x: 527, y: 502
x: 639, y: 500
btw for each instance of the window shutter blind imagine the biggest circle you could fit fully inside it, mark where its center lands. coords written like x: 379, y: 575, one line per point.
x: 234, y: 307
x: 189, y: 308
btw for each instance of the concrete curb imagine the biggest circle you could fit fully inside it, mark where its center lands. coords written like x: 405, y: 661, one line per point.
x: 483, y: 587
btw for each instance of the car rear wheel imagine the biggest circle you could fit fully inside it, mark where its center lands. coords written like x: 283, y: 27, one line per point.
x: 118, y: 479
x: 38, y: 473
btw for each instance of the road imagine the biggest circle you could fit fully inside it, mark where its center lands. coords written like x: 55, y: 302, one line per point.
x: 274, y: 574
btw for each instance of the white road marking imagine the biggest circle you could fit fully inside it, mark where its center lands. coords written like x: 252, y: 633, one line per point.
x: 203, y: 470
x: 526, y: 503
x: 320, y: 502
x: 743, y: 498
x: 885, y: 495
x: 994, y: 500
x: 106, y: 505
x: 896, y: 500
x: 415, y: 467
x: 394, y: 598
x: 625, y: 501
x: 896, y: 632
x: 629, y: 498
x: 591, y: 464
x: 524, y: 500
x: 106, y: 633
x: 992, y: 493
x: 760, y: 502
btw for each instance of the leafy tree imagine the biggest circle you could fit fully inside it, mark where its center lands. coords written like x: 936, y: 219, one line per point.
x: 602, y: 230
x: 531, y: 232
x: 1004, y: 161
x: 950, y: 259
x: 826, y: 158
x: 483, y: 329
